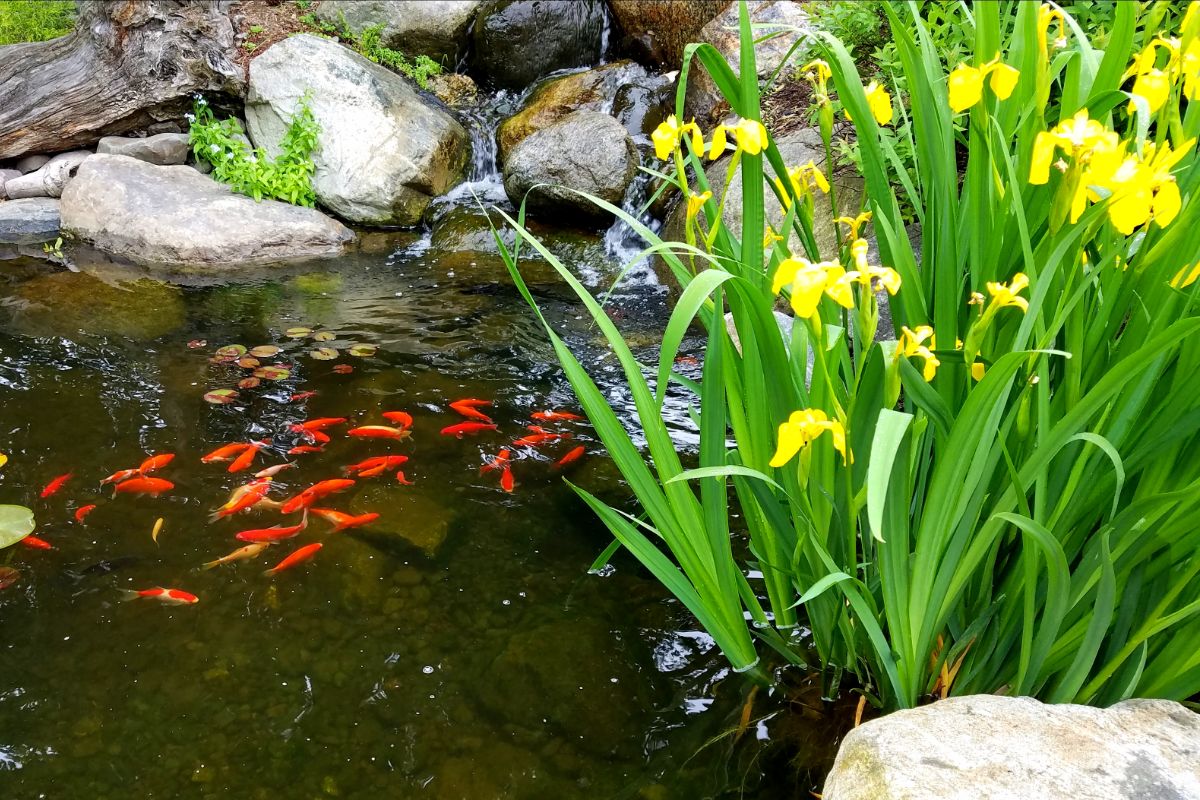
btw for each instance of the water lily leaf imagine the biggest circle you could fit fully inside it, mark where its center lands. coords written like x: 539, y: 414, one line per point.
x: 196, y: 344
x: 362, y: 350
x: 324, y: 336
x: 264, y: 350
x: 343, y: 369
x: 8, y: 576
x: 248, y: 362
x: 324, y: 353
x: 297, y: 333
x: 220, y: 397
x: 231, y: 351
x: 273, y: 373
x: 248, y: 383
x: 16, y: 522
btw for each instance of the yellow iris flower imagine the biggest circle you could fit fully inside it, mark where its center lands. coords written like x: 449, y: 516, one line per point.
x: 854, y: 223
x: 978, y: 370
x: 912, y: 343
x: 880, y: 102
x: 1047, y: 16
x: 966, y: 83
x: 803, y: 427
x: 667, y: 135
x: 695, y: 202
x: 1007, y: 294
x: 866, y: 274
x: 1140, y: 189
x: 807, y: 282
x: 1077, y: 137
x: 770, y: 237
x: 1186, y: 276
x: 803, y: 179
x: 749, y: 134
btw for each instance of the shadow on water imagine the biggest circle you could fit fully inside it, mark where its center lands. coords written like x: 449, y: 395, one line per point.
x: 455, y: 649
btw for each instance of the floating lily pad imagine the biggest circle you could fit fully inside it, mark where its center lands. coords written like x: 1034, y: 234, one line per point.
x: 362, y: 350
x: 297, y: 333
x: 196, y: 344
x: 8, y: 576
x: 16, y: 522
x: 324, y: 336
x: 220, y: 397
x: 264, y: 350
x: 248, y: 383
x: 248, y: 362
x: 324, y: 353
x: 343, y: 369
x: 273, y: 373
x: 231, y: 351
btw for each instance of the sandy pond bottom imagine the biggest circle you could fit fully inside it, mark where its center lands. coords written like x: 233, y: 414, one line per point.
x: 457, y: 648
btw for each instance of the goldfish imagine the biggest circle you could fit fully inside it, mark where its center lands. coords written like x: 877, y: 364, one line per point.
x: 403, y: 481
x: 506, y: 479
x: 499, y: 462
x: 155, y: 462
x: 317, y: 424
x: 467, y: 427
x: 343, y: 369
x: 371, y: 467
x: 470, y: 411
x: 296, y: 557
x: 275, y: 534
x: 83, y: 511
x: 249, y: 551
x: 158, y: 524
x: 244, y: 460
x: 36, y: 543
x: 342, y: 521
x: 56, y: 484
x: 315, y: 492
x: 225, y: 453
x: 401, y: 418
x: 538, y: 439
x: 378, y: 432
x: 471, y: 402
x: 151, y: 486
x: 316, y: 436
x: 171, y: 597
x: 120, y: 475
x: 271, y: 472
x: 571, y: 456
x: 296, y: 398
x: 555, y: 416
x: 304, y: 448
x: 243, y: 497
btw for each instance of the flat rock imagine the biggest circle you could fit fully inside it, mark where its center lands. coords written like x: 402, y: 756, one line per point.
x: 519, y: 41
x: 164, y: 149
x: 435, y: 28
x: 384, y: 152
x: 176, y: 217
x: 31, y: 163
x: 28, y: 221
x: 50, y: 179
x: 657, y: 31
x: 985, y: 747
x: 5, y: 176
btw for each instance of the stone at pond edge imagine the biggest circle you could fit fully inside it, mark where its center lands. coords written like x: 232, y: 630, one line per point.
x: 176, y: 217
x: 383, y: 151
x: 5, y: 176
x: 164, y: 149
x: 434, y: 28
x: 656, y: 32
x: 519, y: 41
x: 985, y: 747
x: 28, y: 221
x: 587, y: 151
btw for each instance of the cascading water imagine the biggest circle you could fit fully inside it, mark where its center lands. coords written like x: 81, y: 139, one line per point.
x: 624, y: 245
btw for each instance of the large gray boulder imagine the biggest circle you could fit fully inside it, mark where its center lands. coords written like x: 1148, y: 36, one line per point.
x: 176, y: 217
x: 519, y: 41
x: 435, y: 28
x: 1004, y: 748
x: 29, y: 221
x: 383, y: 151
x: 586, y: 151
x: 163, y: 149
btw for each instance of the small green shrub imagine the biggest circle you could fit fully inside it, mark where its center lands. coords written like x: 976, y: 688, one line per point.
x: 369, y: 44
x: 250, y: 171
x: 35, y: 20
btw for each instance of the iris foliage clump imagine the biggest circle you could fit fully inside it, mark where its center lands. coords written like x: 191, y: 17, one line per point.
x: 999, y: 493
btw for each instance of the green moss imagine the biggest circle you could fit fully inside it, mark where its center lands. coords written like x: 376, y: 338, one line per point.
x: 35, y: 20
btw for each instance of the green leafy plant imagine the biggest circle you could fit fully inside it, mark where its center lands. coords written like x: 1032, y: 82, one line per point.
x: 999, y: 496
x: 369, y: 44
x: 251, y: 171
x: 26, y: 21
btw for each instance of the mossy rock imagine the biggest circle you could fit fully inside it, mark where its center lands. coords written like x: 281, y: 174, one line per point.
x: 140, y: 309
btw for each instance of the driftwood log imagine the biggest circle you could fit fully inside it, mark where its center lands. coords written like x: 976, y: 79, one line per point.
x: 127, y: 65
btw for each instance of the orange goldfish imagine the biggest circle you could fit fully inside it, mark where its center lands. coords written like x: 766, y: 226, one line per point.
x: 246, y: 458
x: 499, y: 462
x: 56, y: 484
x: 315, y: 492
x: 316, y: 436
x: 297, y: 397
x: 378, y: 432
x: 243, y: 497
x: 155, y: 462
x: 471, y: 402
x: 36, y: 543
x: 506, y: 479
x: 296, y: 557
x: 271, y: 472
x: 249, y: 551
x: 151, y: 486
x: 467, y: 427
x: 305, y: 448
x: 537, y: 439
x: 317, y: 424
x: 275, y: 534
x: 403, y: 481
x: 571, y: 456
x: 555, y: 416
x: 120, y: 475
x: 83, y: 511
x: 342, y: 521
x: 468, y: 409
x: 401, y: 418
x: 171, y: 597
x: 225, y: 453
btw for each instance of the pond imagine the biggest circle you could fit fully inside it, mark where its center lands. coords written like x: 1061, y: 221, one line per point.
x: 456, y: 647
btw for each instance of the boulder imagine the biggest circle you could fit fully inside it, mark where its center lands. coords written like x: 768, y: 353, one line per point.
x: 435, y: 28
x: 454, y: 89
x: 704, y: 102
x: 176, y: 217
x: 164, y: 149
x: 593, y: 90
x: 49, y: 180
x: 383, y: 153
x: 7, y: 175
x: 586, y: 151
x: 28, y: 221
x: 519, y: 41
x: 656, y: 32
x: 31, y: 163
x: 986, y: 747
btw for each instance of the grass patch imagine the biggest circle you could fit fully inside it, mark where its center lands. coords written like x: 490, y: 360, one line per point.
x: 35, y: 20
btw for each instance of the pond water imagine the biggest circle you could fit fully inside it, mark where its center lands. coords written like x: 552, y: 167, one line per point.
x: 456, y: 648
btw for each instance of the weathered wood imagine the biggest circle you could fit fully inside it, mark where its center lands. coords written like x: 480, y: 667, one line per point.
x: 127, y: 65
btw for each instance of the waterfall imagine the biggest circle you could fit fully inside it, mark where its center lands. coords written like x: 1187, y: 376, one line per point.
x: 622, y: 243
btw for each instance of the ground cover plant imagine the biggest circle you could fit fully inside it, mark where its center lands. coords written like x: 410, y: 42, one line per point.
x: 998, y: 494
x: 35, y: 20
x: 369, y: 44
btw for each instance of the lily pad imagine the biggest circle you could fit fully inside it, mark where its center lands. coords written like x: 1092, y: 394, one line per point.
x: 362, y: 350
x: 231, y: 351
x: 324, y: 336
x: 16, y: 522
x: 220, y: 397
x: 343, y: 369
x: 196, y: 344
x: 264, y: 350
x: 297, y: 333
x: 248, y: 383
x: 8, y: 576
x: 324, y: 353
x: 248, y: 362
x: 273, y: 373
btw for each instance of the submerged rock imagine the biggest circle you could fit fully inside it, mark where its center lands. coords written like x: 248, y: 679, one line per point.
x: 406, y: 516
x: 384, y: 152
x: 1015, y: 748
x: 519, y: 41
x: 163, y: 149
x: 76, y: 301
x: 176, y: 217
x: 28, y: 221
x: 586, y: 151
x: 656, y: 32
x: 434, y: 28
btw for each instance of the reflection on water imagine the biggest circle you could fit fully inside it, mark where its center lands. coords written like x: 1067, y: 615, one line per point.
x: 455, y: 649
